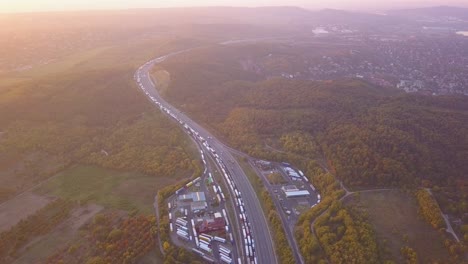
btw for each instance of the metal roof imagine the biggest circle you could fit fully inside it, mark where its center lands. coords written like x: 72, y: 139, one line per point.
x: 194, y: 196
x: 297, y: 193
x: 198, y: 205
x: 198, y: 196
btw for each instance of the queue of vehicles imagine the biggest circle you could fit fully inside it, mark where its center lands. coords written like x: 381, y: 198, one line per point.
x: 247, y: 238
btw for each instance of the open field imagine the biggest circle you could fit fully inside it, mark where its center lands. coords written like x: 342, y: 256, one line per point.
x: 65, y: 63
x: 22, y: 172
x: 110, y: 188
x: 47, y: 125
x: 7, y: 85
x: 38, y: 147
x: 163, y: 79
x: 397, y: 224
x: 20, y: 207
x: 44, y: 246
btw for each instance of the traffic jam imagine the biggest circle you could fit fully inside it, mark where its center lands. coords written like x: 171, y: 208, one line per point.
x: 183, y: 226
x: 200, y: 224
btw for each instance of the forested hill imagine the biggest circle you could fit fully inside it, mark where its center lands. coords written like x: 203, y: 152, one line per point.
x: 370, y: 136
x: 87, y: 109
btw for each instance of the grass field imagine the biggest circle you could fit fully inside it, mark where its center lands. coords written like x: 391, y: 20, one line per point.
x: 251, y: 174
x: 68, y: 83
x: 162, y: 78
x: 397, y: 223
x: 110, y: 188
x: 44, y: 246
x: 12, y: 211
x: 65, y: 63
x: 21, y: 172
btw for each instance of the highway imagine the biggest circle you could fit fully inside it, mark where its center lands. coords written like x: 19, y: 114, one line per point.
x: 287, y: 225
x: 264, y: 249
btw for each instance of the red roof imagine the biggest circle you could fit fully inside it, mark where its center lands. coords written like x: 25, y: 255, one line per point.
x: 212, y: 225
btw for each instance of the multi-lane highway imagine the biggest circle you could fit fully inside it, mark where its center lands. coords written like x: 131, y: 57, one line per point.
x: 264, y: 250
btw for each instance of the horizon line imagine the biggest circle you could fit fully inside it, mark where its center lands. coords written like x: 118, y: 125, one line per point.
x: 79, y: 10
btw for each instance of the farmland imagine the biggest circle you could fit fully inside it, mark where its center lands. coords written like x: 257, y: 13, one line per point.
x: 76, y: 129
x: 394, y: 216
x: 106, y: 187
x: 47, y: 244
x: 20, y: 207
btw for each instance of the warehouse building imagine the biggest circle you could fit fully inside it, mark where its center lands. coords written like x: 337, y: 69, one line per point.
x: 215, y: 224
x: 289, y: 188
x: 292, y: 191
x: 198, y: 206
x: 193, y: 197
x: 293, y: 194
x: 197, y: 201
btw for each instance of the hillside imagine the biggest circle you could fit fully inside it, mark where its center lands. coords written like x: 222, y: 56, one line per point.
x: 370, y: 136
x: 66, y: 113
x: 86, y: 159
x: 367, y: 137
x: 435, y: 12
x: 80, y: 130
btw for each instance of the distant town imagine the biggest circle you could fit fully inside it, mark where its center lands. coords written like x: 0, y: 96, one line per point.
x: 433, y: 61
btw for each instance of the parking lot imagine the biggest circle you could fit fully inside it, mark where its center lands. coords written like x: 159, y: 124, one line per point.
x: 279, y: 181
x: 198, y: 220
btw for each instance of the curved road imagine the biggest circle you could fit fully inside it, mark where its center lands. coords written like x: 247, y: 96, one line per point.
x: 263, y: 241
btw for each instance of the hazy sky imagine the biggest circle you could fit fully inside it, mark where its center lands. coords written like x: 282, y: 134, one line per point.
x: 47, y: 5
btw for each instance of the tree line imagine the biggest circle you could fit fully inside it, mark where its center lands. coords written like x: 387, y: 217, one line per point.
x: 39, y: 223
x: 368, y: 136
x: 282, y: 248
x: 429, y: 209
x: 110, y: 238
x: 92, y: 113
x: 311, y: 247
x: 373, y: 136
x: 346, y: 237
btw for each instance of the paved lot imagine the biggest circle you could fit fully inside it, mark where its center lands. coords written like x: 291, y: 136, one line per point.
x: 257, y: 223
x: 289, y: 209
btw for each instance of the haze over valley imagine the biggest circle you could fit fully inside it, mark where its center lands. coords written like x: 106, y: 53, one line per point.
x: 262, y: 133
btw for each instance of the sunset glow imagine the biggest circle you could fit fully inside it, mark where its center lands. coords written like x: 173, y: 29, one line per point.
x: 59, y: 5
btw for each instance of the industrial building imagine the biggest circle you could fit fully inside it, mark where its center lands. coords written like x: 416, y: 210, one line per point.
x: 214, y: 224
x: 198, y: 206
x: 197, y: 200
x: 289, y: 188
x: 193, y: 197
x: 292, y: 191
x: 299, y: 193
